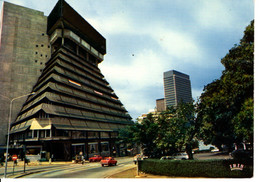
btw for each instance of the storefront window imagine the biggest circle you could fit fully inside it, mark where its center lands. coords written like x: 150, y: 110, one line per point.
x: 105, y: 146
x: 93, y: 148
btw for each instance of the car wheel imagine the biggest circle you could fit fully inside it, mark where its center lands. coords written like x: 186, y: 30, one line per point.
x: 115, y: 164
x: 102, y: 165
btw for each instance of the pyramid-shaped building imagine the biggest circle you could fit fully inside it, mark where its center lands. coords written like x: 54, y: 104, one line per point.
x: 73, y: 109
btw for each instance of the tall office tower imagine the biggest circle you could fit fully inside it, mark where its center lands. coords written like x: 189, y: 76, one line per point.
x: 177, y: 88
x: 24, y: 50
x: 73, y: 110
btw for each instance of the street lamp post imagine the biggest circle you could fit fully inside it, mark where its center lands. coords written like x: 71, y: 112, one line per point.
x: 9, y: 123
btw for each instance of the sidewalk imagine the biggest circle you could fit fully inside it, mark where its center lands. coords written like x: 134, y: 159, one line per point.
x: 132, y: 173
x: 36, y: 163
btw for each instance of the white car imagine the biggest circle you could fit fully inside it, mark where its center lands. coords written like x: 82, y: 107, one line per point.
x: 167, y: 158
x: 180, y: 156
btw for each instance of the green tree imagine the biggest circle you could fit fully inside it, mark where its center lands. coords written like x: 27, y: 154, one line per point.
x: 148, y: 131
x: 226, y: 105
x: 186, y: 127
x: 166, y: 133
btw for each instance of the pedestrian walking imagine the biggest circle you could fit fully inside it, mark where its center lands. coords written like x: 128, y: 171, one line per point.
x: 82, y: 159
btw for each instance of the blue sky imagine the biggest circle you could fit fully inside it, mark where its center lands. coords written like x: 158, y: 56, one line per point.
x: 148, y: 37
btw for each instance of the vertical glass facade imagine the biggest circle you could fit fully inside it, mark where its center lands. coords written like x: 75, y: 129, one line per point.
x: 177, y: 88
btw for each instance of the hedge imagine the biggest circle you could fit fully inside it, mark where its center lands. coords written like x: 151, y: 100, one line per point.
x: 197, y: 168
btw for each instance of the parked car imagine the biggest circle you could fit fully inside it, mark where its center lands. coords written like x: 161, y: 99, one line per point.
x: 181, y: 156
x: 95, y: 158
x: 242, y: 154
x: 215, y: 150
x: 242, y: 151
x: 108, y: 161
x: 167, y: 158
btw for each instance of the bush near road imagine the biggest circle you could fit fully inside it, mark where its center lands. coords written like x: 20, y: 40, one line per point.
x: 197, y: 168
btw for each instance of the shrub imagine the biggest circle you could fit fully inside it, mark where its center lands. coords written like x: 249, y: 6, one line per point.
x: 197, y: 168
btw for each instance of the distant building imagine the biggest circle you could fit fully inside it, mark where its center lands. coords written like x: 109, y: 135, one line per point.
x: 73, y: 110
x: 144, y: 116
x: 177, y: 88
x: 160, y: 105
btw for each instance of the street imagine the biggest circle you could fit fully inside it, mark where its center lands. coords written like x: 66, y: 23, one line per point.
x: 88, y: 170
x: 211, y: 155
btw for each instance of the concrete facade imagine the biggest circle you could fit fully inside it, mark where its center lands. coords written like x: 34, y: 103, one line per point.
x: 24, y: 50
x: 160, y: 105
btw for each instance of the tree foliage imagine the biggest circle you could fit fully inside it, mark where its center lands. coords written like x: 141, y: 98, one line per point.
x: 165, y: 133
x: 226, y: 105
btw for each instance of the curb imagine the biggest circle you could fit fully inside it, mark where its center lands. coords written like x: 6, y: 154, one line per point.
x: 120, y: 172
x: 21, y: 175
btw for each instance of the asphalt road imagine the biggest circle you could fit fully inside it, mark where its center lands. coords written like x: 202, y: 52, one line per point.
x: 212, y: 155
x: 88, y: 170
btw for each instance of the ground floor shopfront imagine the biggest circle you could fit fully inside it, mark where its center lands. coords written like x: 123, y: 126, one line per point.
x: 66, y: 147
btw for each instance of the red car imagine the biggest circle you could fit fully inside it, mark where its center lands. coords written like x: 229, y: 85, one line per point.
x: 108, y: 161
x: 95, y: 158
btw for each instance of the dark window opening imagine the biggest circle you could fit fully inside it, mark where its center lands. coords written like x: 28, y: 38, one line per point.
x: 56, y: 45
x: 92, y: 59
x: 82, y: 53
x: 70, y: 45
x: 62, y: 133
x: 92, y: 134
x: 78, y: 134
x: 42, y: 133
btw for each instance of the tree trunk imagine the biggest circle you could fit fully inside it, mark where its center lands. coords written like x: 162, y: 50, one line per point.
x: 189, y: 151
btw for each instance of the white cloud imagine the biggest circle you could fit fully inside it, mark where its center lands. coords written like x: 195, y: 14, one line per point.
x: 215, y: 14
x: 175, y: 43
x: 113, y: 24
x: 196, y: 93
x: 145, y: 69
